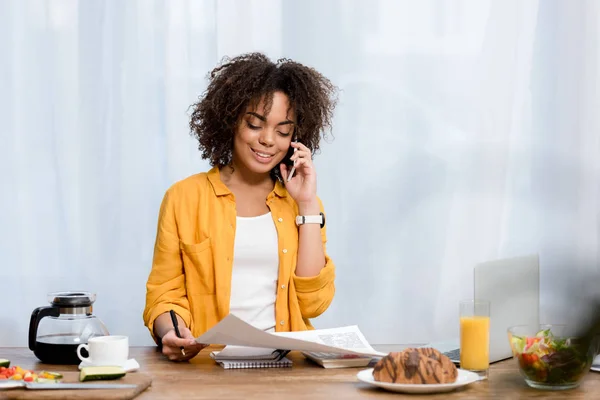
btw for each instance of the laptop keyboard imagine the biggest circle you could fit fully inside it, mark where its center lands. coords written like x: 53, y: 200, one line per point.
x: 453, y: 355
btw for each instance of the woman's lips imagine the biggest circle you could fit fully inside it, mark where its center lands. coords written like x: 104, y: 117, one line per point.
x: 264, y: 158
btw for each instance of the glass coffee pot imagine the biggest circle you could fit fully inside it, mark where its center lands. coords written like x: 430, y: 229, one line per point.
x: 56, y: 331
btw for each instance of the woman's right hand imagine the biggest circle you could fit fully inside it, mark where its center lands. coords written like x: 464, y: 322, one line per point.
x: 171, y: 345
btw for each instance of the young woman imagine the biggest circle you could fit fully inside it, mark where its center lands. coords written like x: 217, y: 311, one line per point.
x: 247, y: 237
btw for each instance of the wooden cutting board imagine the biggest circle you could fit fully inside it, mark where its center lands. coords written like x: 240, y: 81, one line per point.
x: 142, y: 382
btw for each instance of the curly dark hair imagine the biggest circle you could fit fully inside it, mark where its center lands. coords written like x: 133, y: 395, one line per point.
x: 243, y: 81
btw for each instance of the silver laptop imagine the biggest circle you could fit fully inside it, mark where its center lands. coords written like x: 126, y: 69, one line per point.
x: 513, y: 288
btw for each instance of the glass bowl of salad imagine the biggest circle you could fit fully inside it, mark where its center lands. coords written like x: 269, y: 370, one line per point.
x: 550, y: 356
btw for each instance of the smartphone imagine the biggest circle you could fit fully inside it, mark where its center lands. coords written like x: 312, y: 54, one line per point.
x: 288, y: 162
x: 287, y: 159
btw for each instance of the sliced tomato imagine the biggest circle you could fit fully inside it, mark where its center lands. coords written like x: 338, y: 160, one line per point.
x: 530, y: 341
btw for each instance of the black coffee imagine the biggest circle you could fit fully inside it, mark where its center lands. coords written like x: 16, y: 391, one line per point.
x: 58, y: 349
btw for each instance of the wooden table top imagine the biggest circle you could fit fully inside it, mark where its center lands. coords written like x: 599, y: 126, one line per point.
x: 203, y: 379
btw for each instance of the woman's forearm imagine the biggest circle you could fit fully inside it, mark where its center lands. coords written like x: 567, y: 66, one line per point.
x: 311, y: 257
x: 163, y: 324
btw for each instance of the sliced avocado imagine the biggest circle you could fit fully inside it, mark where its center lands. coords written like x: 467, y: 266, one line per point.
x: 4, y: 362
x: 100, y: 373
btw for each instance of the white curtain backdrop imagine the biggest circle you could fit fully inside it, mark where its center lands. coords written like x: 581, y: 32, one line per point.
x: 466, y: 131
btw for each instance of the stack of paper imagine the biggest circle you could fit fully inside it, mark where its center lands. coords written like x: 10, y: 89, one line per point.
x: 232, y: 331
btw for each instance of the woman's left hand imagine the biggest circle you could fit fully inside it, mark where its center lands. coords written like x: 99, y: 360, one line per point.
x: 303, y: 185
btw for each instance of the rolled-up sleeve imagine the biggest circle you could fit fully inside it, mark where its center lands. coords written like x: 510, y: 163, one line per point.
x: 165, y: 289
x: 315, y: 293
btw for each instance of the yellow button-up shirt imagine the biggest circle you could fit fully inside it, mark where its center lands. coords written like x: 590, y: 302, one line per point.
x: 193, y: 258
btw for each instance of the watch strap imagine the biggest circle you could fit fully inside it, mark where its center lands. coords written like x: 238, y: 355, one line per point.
x: 311, y: 219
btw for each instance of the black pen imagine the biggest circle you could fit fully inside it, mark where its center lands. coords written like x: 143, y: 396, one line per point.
x: 282, y: 353
x: 176, y: 326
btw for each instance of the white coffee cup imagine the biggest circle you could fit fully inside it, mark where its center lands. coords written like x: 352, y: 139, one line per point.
x: 105, y: 350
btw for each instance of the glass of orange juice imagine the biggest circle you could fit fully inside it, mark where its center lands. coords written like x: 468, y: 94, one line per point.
x: 475, y: 336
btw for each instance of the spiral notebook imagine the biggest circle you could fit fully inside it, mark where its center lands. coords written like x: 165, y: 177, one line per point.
x: 250, y: 357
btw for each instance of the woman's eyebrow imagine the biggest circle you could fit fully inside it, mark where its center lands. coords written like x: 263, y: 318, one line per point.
x: 264, y: 119
x: 286, y: 122
x: 261, y: 117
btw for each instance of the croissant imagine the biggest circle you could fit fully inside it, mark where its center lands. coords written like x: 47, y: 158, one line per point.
x: 417, y: 366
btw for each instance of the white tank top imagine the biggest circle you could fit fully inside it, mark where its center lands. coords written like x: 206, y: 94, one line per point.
x: 255, y: 271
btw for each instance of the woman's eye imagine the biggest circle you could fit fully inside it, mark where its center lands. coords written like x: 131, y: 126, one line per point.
x: 252, y: 126
x: 284, y: 133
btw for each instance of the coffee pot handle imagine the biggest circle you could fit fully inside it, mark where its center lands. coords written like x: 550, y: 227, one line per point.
x: 36, y: 317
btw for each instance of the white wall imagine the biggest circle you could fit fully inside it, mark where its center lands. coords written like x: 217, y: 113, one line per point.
x: 466, y: 131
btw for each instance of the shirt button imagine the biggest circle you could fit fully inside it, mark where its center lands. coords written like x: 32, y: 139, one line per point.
x: 283, y: 286
x: 284, y: 251
x: 281, y: 322
x: 280, y: 219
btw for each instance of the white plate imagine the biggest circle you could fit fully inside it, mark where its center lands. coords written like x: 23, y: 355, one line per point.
x: 464, y: 378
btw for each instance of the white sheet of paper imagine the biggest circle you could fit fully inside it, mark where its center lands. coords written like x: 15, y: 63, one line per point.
x: 236, y: 352
x: 233, y: 331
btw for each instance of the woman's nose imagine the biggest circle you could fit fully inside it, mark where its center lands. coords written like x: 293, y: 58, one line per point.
x: 267, y: 138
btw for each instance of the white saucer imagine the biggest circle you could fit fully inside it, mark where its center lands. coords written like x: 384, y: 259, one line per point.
x: 596, y: 364
x: 130, y: 365
x: 464, y: 378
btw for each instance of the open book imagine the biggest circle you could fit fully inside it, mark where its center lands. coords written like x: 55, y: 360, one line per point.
x: 345, y: 338
x: 334, y: 360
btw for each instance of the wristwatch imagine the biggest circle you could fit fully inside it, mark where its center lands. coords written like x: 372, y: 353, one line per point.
x: 311, y: 219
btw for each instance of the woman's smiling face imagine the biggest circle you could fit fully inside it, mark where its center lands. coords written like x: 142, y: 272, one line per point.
x: 261, y: 141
